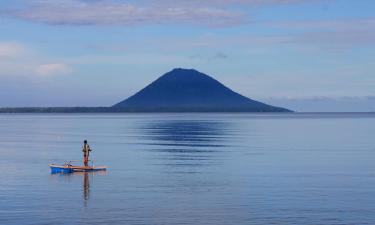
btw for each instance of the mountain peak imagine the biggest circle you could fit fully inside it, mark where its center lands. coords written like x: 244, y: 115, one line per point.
x: 188, y: 90
x: 184, y: 72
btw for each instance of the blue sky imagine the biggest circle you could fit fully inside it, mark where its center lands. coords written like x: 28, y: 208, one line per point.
x: 96, y: 53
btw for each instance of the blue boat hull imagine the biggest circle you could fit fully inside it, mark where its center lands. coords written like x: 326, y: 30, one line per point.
x: 61, y: 170
x: 71, y: 169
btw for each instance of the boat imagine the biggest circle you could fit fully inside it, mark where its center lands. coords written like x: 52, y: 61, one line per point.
x: 68, y: 168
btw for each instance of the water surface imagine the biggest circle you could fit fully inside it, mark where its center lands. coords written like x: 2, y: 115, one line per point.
x: 189, y: 169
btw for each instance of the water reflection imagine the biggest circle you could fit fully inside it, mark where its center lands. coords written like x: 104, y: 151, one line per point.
x: 86, y: 180
x: 86, y: 186
x: 185, y: 142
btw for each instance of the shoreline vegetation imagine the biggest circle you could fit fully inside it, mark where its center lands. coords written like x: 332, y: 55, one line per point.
x: 125, y: 110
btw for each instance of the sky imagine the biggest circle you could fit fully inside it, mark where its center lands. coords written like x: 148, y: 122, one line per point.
x: 99, y: 52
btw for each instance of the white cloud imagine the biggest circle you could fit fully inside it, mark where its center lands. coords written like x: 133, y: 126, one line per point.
x: 10, y: 50
x: 52, y: 69
x: 18, y: 60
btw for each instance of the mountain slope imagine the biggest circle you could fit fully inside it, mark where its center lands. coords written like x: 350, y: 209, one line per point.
x: 187, y: 90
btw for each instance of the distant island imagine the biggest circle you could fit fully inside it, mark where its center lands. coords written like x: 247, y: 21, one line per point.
x: 180, y: 90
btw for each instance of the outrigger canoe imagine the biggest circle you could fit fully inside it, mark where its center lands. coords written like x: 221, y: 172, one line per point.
x: 67, y: 168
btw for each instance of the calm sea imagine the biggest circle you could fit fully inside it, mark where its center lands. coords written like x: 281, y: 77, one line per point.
x: 189, y: 169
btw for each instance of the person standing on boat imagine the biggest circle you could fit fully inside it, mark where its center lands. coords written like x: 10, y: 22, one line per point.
x: 86, y: 152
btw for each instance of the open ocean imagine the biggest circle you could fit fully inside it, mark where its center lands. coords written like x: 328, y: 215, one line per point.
x: 208, y: 168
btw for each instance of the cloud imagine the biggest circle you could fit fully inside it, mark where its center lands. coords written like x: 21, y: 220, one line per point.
x: 18, y: 60
x: 110, y: 12
x: 218, y: 3
x: 220, y: 55
x: 9, y: 50
x: 337, y: 41
x: 332, y: 35
x: 114, y: 13
x: 216, y: 56
x: 52, y: 69
x: 119, y: 48
x: 360, y: 24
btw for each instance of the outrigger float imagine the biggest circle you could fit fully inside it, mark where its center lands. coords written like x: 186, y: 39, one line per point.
x: 69, y: 168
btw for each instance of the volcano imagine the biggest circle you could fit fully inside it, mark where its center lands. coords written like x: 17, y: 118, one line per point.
x: 188, y: 90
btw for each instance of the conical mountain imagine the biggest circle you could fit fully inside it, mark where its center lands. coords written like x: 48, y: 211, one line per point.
x: 187, y: 90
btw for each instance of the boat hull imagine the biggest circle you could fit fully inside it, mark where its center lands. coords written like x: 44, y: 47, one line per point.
x: 70, y: 169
